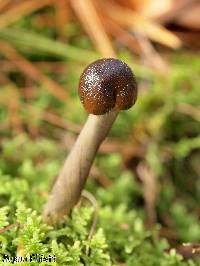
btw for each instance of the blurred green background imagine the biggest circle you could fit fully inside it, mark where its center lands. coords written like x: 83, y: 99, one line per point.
x: 146, y: 176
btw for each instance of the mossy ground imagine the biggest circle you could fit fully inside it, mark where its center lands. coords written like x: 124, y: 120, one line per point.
x: 160, y: 133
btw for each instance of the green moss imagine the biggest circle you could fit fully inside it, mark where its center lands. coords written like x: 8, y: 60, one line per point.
x: 162, y: 131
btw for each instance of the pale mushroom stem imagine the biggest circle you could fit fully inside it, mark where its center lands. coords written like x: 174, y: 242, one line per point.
x: 71, y: 180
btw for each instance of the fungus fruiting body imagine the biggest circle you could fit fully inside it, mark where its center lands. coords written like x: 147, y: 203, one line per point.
x: 106, y: 86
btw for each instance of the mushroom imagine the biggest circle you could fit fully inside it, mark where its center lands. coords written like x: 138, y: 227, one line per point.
x: 106, y: 86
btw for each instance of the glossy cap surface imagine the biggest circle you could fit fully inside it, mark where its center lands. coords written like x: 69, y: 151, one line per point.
x: 107, y: 84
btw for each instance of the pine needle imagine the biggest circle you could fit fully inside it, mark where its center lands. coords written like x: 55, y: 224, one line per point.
x: 21, y: 9
x: 88, y: 15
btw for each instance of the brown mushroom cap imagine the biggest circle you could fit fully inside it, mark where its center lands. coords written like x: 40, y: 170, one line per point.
x: 106, y: 84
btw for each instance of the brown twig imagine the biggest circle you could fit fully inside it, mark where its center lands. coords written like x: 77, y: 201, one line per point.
x: 20, y: 10
x: 122, y: 35
x: 30, y: 70
x: 189, y: 250
x: 128, y: 18
x: 53, y: 119
x: 149, y: 53
x: 9, y: 227
x: 88, y: 15
x: 62, y: 15
x: 102, y: 179
x: 176, y: 9
x: 4, y: 4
